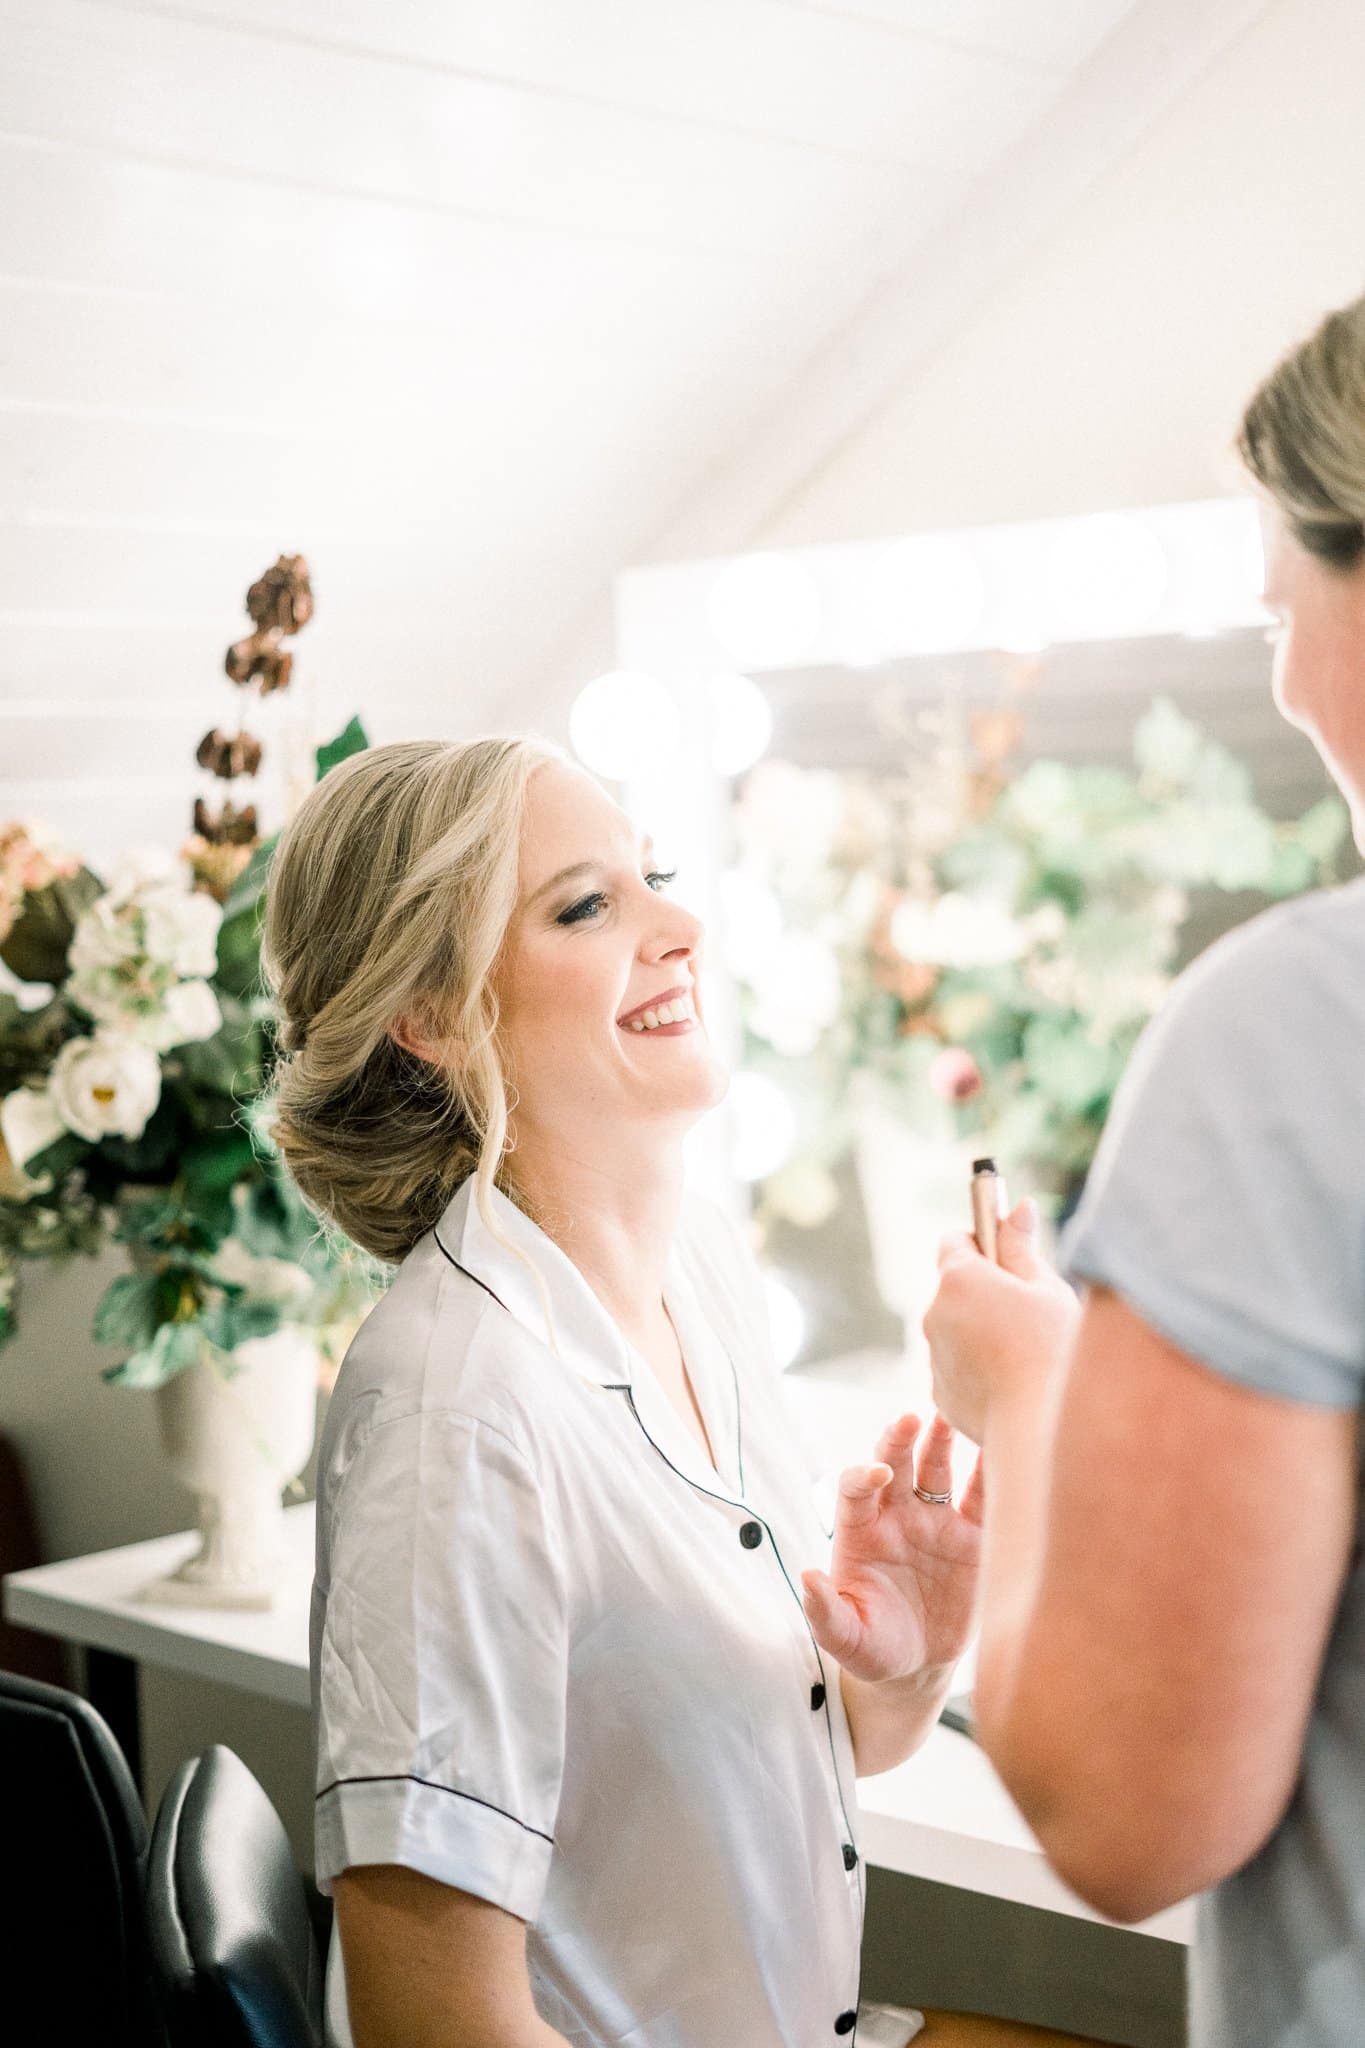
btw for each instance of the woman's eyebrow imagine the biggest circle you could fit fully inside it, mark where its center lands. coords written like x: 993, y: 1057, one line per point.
x: 580, y: 867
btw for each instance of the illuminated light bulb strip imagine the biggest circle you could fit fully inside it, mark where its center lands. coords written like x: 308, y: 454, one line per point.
x: 1190, y: 568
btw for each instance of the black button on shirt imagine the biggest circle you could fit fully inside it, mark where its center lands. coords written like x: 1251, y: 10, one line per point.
x: 751, y: 1534
x: 817, y: 1696
x: 844, y: 2023
x: 850, y: 1855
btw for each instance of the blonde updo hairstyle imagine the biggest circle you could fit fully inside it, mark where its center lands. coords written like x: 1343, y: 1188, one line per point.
x: 1303, y: 438
x: 389, y: 896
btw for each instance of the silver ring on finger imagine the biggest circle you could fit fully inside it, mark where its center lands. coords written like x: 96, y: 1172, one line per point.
x: 935, y: 1500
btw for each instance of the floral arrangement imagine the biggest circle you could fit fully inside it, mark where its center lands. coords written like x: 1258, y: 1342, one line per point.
x: 136, y: 1045
x: 977, y: 948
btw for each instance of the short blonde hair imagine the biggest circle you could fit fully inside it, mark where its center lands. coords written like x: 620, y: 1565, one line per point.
x: 1303, y: 437
x: 389, y: 895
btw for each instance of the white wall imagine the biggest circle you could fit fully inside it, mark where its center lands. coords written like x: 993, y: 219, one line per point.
x: 1110, y: 370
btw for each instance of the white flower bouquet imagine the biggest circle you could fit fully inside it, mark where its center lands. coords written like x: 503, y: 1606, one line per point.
x: 135, y: 1043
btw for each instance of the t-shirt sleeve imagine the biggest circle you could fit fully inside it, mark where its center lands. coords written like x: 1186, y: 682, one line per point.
x: 442, y: 1664
x: 1226, y: 1202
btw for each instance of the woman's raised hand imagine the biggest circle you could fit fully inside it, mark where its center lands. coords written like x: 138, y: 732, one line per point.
x: 899, y: 1598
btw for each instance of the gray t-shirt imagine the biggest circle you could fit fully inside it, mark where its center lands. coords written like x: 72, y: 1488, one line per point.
x: 1226, y: 1205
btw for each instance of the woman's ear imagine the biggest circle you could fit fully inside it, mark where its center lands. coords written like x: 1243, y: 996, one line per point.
x: 438, y: 1052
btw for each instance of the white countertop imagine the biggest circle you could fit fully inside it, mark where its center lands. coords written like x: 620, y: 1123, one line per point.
x: 943, y: 1814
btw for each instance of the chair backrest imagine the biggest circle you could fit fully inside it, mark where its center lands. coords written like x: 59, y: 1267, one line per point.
x: 76, y: 1844
x: 233, y: 1950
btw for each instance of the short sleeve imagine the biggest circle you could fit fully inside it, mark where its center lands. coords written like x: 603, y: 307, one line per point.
x: 1226, y: 1202
x: 442, y: 1664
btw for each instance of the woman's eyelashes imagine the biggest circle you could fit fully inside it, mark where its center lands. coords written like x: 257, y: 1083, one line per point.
x: 587, y: 907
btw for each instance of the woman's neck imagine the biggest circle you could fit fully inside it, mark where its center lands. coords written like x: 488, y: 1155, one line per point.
x: 618, y: 1228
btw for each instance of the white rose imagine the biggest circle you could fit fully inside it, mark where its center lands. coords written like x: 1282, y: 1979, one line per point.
x: 264, y: 1279
x: 189, y: 1012
x: 105, y: 1086
x: 29, y: 1122
x: 956, y: 931
x: 106, y: 934
x: 142, y: 867
x: 181, y: 929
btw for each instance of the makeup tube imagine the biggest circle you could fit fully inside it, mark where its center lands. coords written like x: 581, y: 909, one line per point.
x: 988, y: 1192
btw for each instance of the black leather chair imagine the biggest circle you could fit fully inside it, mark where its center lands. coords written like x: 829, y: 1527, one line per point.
x: 76, y: 1847
x: 234, y: 1942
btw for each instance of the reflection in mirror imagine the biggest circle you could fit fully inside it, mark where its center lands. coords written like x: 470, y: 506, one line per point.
x: 944, y: 948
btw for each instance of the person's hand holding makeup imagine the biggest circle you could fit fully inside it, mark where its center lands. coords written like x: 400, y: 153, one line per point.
x: 991, y: 1321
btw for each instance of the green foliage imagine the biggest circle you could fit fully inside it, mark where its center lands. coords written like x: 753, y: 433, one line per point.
x: 200, y: 1180
x: 36, y: 946
x: 351, y: 740
x: 1045, y: 909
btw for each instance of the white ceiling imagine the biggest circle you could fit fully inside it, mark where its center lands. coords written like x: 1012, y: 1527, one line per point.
x: 465, y: 301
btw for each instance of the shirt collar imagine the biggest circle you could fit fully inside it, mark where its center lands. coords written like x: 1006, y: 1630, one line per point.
x: 585, y: 1336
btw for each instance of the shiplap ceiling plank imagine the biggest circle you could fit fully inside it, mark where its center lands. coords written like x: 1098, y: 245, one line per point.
x: 184, y: 91
x: 457, y: 299
x: 1056, y: 37
x: 749, y: 67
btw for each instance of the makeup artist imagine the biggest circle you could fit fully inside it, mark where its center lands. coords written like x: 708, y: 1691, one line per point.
x: 1171, y: 1677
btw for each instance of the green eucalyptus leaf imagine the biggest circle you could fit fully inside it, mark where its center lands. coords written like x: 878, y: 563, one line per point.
x: 39, y: 940
x: 239, y: 952
x: 175, y: 1346
x: 1321, y: 830
x: 353, y: 739
x: 126, y: 1312
x: 57, y: 1158
x: 216, y: 1160
x: 1166, y: 743
x: 250, y: 884
x: 155, y: 1144
x: 1291, y: 870
x: 230, y: 1322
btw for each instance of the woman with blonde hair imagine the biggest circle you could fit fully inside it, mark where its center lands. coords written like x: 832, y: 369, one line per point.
x: 1171, y: 1673
x: 592, y: 1680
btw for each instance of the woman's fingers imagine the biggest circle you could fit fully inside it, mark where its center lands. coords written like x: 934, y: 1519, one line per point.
x: 837, y: 1626
x: 935, y: 1461
x: 860, y: 1490
x: 896, y: 1444
x: 957, y: 1244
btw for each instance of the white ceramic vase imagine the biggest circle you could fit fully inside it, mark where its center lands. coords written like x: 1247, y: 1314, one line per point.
x: 914, y: 1188
x: 235, y: 1441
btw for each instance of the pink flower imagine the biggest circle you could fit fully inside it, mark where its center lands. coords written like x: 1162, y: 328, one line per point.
x: 955, y: 1075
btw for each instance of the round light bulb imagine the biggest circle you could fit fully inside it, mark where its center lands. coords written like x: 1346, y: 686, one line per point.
x: 741, y: 722
x: 624, y: 723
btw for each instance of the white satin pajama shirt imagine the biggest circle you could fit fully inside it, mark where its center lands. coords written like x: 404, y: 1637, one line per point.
x: 561, y: 1662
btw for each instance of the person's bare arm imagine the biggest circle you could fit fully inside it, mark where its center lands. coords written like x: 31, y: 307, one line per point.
x: 1164, y: 1557
x: 430, y: 1966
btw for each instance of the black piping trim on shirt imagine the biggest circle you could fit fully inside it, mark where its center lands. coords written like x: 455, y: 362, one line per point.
x: 409, y: 1777
x: 468, y: 1275
x: 829, y: 1725
x: 497, y: 1297
x: 629, y: 1392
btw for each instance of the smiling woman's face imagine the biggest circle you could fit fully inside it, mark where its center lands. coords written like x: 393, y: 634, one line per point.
x: 582, y: 951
